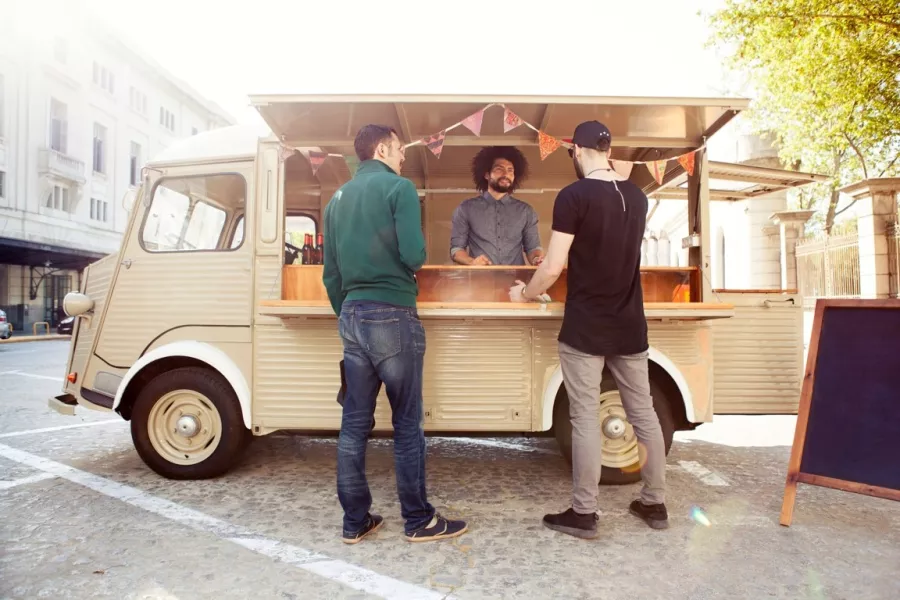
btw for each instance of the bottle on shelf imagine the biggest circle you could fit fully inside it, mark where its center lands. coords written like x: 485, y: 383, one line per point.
x: 306, y: 252
x: 652, y: 250
x: 320, y: 249
x: 665, y: 249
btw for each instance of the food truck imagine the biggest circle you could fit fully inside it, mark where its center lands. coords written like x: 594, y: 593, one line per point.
x: 208, y: 327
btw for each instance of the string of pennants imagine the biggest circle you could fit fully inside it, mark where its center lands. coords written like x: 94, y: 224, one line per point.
x: 547, y: 145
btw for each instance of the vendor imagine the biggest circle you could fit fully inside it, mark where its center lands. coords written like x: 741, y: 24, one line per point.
x: 495, y: 228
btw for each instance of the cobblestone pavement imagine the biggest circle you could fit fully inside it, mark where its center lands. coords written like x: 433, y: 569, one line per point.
x: 82, y: 517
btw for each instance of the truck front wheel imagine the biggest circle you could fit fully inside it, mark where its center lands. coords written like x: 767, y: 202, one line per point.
x: 618, y: 441
x: 186, y: 424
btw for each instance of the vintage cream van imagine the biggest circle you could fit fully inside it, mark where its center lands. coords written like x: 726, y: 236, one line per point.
x: 203, y: 331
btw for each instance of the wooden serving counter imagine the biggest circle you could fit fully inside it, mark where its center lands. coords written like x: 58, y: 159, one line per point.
x: 654, y: 311
x: 457, y: 283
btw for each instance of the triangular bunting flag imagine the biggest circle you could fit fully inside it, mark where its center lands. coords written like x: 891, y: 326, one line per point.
x: 435, y: 143
x: 510, y: 120
x: 687, y: 161
x: 657, y: 168
x: 548, y: 144
x: 284, y: 152
x: 352, y: 163
x: 316, y: 159
x: 473, y: 122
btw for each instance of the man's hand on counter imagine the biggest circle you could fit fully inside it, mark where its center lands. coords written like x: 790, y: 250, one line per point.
x: 480, y: 260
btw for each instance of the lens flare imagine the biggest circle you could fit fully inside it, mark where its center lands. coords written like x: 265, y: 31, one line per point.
x: 698, y: 516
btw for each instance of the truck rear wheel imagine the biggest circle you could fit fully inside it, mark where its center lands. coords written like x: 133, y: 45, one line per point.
x: 619, y: 456
x: 186, y: 424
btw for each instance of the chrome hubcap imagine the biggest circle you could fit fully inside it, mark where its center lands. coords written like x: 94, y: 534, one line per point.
x: 187, y: 426
x: 614, y: 428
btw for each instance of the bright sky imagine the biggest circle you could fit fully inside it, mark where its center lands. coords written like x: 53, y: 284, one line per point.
x: 590, y: 47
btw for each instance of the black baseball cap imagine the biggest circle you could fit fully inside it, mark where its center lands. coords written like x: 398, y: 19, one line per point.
x: 589, y: 134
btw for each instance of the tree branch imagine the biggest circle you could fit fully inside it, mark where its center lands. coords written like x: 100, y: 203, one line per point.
x: 859, y: 154
x: 799, y: 16
x: 890, y: 164
x: 845, y: 208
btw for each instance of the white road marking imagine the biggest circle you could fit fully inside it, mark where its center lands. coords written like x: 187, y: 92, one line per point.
x: 59, y: 428
x: 702, y: 473
x: 496, y: 444
x: 5, y: 485
x: 348, y: 574
x: 21, y: 374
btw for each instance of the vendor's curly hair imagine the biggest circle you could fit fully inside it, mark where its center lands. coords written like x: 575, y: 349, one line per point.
x: 484, y: 162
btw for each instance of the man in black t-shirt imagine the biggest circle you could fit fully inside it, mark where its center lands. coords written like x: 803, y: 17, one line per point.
x: 598, y: 223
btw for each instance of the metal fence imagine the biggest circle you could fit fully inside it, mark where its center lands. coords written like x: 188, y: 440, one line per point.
x: 828, y: 267
x: 893, y: 243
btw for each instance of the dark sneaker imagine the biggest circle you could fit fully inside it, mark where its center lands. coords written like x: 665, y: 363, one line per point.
x: 573, y: 523
x: 654, y: 515
x: 438, y: 529
x: 374, y: 524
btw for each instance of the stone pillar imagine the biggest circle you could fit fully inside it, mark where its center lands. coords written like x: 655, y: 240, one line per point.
x: 790, y: 224
x: 876, y: 207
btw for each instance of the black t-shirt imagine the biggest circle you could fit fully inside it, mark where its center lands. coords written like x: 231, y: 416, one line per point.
x: 604, y: 313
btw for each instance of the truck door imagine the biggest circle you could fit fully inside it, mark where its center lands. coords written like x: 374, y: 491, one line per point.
x: 758, y: 354
x: 184, y: 271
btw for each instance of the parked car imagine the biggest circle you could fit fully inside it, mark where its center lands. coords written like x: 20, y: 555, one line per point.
x: 5, y: 329
x: 65, y: 326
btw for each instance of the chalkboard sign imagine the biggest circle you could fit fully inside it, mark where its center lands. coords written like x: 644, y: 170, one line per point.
x: 848, y: 424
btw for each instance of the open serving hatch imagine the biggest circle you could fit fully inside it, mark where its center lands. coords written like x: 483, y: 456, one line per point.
x: 643, y: 129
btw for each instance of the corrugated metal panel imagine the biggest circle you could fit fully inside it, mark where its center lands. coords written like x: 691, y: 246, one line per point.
x: 98, y: 277
x: 758, y: 366
x: 163, y: 291
x: 476, y: 377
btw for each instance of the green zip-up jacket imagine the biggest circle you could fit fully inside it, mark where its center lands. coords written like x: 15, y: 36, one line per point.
x: 373, y: 239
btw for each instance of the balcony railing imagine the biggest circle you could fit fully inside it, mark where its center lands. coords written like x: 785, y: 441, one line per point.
x: 61, y: 165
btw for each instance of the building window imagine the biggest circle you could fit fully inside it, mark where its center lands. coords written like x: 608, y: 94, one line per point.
x: 58, y: 198
x: 134, y: 164
x: 180, y: 218
x: 99, y: 210
x: 99, y: 148
x: 2, y: 103
x: 59, y: 126
x: 138, y: 101
x: 61, y: 50
x: 166, y: 119
x: 104, y: 78
x: 194, y: 131
x: 2, y: 184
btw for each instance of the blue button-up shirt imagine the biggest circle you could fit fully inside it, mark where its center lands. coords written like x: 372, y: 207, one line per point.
x: 500, y: 229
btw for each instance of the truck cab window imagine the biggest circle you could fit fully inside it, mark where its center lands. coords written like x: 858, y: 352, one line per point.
x: 189, y: 213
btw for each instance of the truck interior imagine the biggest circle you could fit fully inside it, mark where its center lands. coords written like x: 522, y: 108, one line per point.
x: 643, y: 129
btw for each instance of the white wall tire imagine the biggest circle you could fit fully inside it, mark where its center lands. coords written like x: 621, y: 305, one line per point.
x: 186, y: 424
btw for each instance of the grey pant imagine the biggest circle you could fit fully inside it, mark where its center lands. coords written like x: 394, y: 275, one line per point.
x: 582, y: 374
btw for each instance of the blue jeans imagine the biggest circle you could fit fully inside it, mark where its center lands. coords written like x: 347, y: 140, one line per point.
x: 382, y: 343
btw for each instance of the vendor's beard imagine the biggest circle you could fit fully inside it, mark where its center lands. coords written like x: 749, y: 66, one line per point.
x: 500, y: 187
x: 578, y: 170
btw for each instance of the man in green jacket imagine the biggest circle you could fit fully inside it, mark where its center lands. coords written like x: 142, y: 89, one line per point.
x: 373, y: 248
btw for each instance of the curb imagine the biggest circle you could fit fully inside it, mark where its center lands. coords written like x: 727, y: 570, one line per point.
x: 35, y: 338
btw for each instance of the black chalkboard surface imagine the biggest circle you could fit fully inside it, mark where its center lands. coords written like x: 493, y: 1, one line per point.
x: 848, y: 423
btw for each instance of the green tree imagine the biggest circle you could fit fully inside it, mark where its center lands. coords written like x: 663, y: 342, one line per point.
x: 826, y: 76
